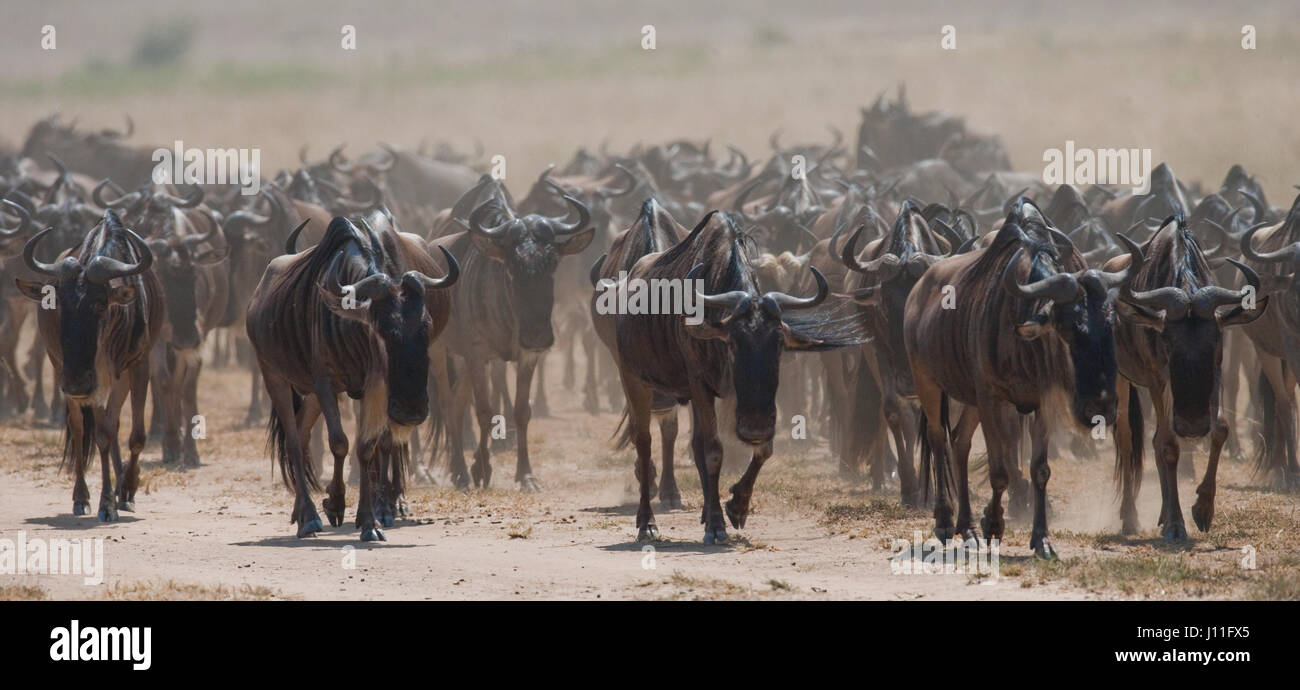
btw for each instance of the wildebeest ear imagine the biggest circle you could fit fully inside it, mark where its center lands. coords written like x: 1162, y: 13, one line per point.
x: 1035, y: 328
x: 334, y: 302
x: 31, y: 289
x: 798, y: 341
x: 1140, y: 316
x: 707, y: 331
x: 122, y: 294
x: 578, y: 242
x: 488, y: 246
x: 1240, y: 317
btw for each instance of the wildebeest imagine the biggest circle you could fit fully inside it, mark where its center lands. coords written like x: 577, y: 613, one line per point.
x: 502, y: 311
x: 1169, y: 340
x: 1030, y: 324
x: 355, y: 314
x: 1276, y: 336
x: 733, y: 353
x: 108, y: 310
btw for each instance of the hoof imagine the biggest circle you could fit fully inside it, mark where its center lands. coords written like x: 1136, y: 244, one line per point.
x: 309, y: 527
x: 671, y: 501
x: 529, y: 484
x: 1130, y: 528
x: 373, y: 534
x: 717, y: 536
x: 1045, y: 550
x: 944, y: 534
x: 81, y: 508
x: 992, y: 529
x: 648, y: 533
x: 736, y: 517
x: 386, y: 520
x: 970, y: 534
x: 334, y: 516
x: 402, y: 510
x: 107, y: 514
x: 1203, y: 514
x: 460, y: 480
x: 1174, y: 531
x: 482, y: 475
x: 126, y: 506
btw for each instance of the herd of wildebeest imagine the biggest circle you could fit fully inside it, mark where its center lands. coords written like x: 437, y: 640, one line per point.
x: 940, y: 290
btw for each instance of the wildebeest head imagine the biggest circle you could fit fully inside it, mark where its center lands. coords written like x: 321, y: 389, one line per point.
x: 178, y: 260
x: 755, y: 328
x: 1183, y: 307
x: 1075, y: 307
x: 84, y: 293
x: 394, y: 309
x: 530, y: 247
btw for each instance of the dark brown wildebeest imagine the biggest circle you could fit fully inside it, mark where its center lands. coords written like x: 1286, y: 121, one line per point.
x: 1030, y: 325
x: 652, y: 232
x: 108, y: 312
x: 190, y: 263
x: 733, y: 352
x: 356, y: 314
x: 502, y: 312
x: 1169, y: 340
x: 96, y: 154
x: 887, y: 270
x: 1276, y: 336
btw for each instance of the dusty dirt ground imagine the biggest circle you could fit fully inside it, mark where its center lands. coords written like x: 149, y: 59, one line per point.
x: 222, y: 531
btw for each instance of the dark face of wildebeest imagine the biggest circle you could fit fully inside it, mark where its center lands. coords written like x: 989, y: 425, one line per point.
x: 530, y: 247
x: 83, y: 294
x: 756, y: 333
x: 1185, y: 313
x: 396, y: 311
x: 178, y: 262
x: 1076, y: 308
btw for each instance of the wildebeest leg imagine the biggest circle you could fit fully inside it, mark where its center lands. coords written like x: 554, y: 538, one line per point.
x: 1128, y: 455
x: 372, y: 426
x: 128, y: 484
x: 997, y: 443
x: 1021, y: 497
x: 1166, y: 452
x: 590, y: 397
x: 1203, y: 509
x: 164, y: 424
x: 452, y: 401
x: 543, y: 408
x: 110, y: 453
x: 639, y: 399
x: 36, y: 370
x: 1280, y: 450
x: 902, y: 424
x: 481, y: 471
x: 669, y: 497
x: 967, y: 422
x: 523, y: 412
x: 254, y: 416
x: 933, y: 404
x: 335, y: 498
x: 190, y: 403
x: 1039, y: 473
x: 707, y: 449
x: 501, y: 400
x: 737, y: 506
x: 80, y: 431
x: 304, y: 513
x: 1234, y: 342
x: 385, y: 498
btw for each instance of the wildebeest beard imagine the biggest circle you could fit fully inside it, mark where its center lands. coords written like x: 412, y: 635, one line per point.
x: 1194, y: 354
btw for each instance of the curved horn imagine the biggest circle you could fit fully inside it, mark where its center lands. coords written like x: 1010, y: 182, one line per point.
x: 291, y: 244
x: 584, y: 218
x: 102, y: 269
x: 453, y: 274
x: 1125, y: 276
x: 1288, y: 253
x: 122, y: 197
x: 1061, y: 288
x: 29, y: 256
x: 883, y: 268
x: 391, y: 160
x: 192, y: 241
x: 24, y: 221
x: 791, y: 302
x: 594, y: 274
x: 1256, y: 203
x: 476, y: 220
x: 729, y: 300
x: 190, y: 200
x: 1211, y: 297
x: 336, y: 161
x: 609, y: 193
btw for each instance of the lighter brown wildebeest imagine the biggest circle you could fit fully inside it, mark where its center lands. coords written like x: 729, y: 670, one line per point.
x: 1031, y: 330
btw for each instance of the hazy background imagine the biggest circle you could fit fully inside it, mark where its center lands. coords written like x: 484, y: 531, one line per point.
x: 535, y: 80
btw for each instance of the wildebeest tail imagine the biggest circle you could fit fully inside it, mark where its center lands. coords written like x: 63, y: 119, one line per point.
x: 76, y: 451
x: 865, y: 407
x: 276, y: 442
x: 1128, y: 467
x: 929, y: 467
